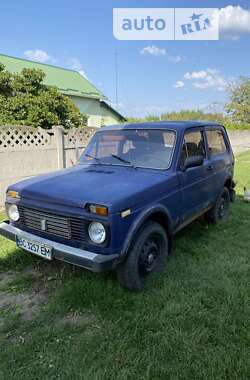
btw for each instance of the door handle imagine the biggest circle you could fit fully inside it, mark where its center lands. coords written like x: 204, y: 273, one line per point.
x: 210, y: 167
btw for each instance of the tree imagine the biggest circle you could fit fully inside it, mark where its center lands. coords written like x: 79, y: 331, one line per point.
x: 183, y: 115
x: 25, y: 100
x: 239, y: 106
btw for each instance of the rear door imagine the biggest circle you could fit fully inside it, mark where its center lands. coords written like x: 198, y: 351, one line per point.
x: 194, y: 181
x: 220, y: 159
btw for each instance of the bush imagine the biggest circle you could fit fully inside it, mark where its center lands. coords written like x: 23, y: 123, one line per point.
x: 25, y: 100
x: 227, y: 121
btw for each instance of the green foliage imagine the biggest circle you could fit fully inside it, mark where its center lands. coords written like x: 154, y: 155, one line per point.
x: 229, y: 124
x: 239, y: 106
x: 25, y: 100
x: 238, y: 117
x: 193, y: 115
x: 184, y: 115
x: 5, y: 81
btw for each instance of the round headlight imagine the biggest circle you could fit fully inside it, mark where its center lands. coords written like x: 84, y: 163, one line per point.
x: 13, y: 213
x: 97, y: 232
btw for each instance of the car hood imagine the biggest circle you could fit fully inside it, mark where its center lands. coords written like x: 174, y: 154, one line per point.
x: 116, y: 187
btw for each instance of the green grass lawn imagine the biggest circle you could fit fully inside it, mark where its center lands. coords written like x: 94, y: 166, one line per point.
x: 192, y: 321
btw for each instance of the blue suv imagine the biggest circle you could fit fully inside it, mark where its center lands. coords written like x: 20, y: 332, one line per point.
x: 133, y: 188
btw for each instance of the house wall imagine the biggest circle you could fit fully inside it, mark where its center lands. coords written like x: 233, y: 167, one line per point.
x: 98, y: 115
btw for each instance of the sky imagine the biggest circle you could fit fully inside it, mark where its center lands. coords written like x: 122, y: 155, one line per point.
x: 153, y: 76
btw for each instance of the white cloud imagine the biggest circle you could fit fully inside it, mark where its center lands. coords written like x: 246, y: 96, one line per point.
x: 42, y: 56
x: 75, y: 64
x: 153, y: 50
x: 119, y: 105
x: 175, y: 59
x: 179, y: 84
x: 37, y: 55
x: 234, y: 21
x: 209, y: 78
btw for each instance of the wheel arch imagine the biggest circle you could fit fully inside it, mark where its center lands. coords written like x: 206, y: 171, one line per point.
x: 230, y: 185
x: 158, y: 214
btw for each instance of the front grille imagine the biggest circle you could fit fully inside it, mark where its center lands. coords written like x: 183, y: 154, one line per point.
x: 57, y: 225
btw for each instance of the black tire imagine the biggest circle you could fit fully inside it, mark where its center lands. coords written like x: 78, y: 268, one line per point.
x: 221, y: 208
x: 232, y: 195
x: 147, y: 255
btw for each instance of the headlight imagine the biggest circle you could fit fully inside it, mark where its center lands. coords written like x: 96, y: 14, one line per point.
x: 13, y: 213
x: 97, y: 232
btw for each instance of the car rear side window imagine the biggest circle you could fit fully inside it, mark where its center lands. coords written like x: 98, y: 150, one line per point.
x: 193, y: 145
x: 216, y: 142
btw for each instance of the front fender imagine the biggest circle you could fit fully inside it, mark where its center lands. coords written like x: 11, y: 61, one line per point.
x: 140, y: 220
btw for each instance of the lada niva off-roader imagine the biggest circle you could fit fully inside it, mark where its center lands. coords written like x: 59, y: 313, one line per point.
x: 133, y: 188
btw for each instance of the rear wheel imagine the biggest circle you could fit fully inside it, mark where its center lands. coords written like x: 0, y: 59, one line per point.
x: 221, y: 208
x: 147, y: 255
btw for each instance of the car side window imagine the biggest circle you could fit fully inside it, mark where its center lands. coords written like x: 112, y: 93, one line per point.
x: 193, y: 145
x: 216, y: 142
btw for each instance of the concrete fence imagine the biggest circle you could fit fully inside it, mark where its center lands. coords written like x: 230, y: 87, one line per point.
x: 240, y: 140
x: 27, y: 151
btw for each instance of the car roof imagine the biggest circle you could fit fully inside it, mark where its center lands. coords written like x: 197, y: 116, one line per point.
x: 176, y: 125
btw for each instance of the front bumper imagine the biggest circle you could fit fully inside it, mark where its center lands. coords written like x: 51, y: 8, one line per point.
x: 85, y: 259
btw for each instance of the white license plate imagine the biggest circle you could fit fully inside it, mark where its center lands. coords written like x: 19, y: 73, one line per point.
x: 38, y: 249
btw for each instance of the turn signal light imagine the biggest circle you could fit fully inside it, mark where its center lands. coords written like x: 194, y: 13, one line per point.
x: 12, y: 194
x: 99, y: 210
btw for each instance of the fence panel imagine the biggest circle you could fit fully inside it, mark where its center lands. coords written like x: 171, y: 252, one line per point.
x: 75, y: 140
x: 27, y: 151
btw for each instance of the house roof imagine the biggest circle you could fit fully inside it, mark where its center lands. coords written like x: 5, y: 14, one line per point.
x: 69, y: 82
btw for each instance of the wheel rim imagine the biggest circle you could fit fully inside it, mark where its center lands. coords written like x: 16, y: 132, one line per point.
x: 149, y: 255
x: 223, y: 206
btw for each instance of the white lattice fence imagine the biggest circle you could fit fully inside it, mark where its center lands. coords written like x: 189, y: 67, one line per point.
x: 27, y: 151
x: 21, y: 137
x: 78, y: 137
x: 75, y: 140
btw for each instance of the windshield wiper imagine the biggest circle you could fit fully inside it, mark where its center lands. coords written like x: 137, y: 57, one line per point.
x: 94, y: 158
x: 123, y: 160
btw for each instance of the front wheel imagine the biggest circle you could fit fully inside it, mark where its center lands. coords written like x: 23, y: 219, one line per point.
x: 147, y: 255
x: 221, y: 207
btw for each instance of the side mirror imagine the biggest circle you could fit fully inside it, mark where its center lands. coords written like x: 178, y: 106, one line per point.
x: 192, y: 162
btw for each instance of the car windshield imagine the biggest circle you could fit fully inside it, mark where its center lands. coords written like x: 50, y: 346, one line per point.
x: 145, y: 148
